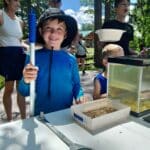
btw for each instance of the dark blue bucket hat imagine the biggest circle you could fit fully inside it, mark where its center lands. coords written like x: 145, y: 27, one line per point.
x: 71, y: 25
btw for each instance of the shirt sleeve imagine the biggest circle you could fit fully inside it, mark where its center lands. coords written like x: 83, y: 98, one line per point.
x: 130, y: 32
x: 23, y: 87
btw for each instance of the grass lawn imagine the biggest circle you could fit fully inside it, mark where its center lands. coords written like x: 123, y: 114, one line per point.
x: 2, y: 82
x: 90, y: 59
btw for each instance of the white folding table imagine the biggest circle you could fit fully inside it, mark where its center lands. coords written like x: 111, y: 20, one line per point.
x: 31, y: 134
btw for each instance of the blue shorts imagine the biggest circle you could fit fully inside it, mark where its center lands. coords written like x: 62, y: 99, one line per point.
x: 12, y: 61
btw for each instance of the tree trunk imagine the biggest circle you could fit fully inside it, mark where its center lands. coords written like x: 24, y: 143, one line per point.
x: 98, y: 24
x: 29, y: 5
x: 107, y: 10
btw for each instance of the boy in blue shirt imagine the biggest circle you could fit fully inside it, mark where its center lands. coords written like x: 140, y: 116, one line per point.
x: 56, y: 71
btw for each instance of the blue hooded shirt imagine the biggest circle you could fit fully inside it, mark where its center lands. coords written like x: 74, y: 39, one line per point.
x: 57, y: 83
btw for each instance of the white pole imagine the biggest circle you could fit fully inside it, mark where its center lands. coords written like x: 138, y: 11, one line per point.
x: 32, y: 40
x: 32, y: 84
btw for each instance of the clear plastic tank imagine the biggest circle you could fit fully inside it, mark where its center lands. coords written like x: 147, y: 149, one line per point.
x: 129, y: 82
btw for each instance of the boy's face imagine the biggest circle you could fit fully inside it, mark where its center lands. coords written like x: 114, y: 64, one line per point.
x: 53, y: 33
x: 123, y: 8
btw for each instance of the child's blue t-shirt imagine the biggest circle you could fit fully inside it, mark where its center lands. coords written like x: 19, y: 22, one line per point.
x: 103, y: 82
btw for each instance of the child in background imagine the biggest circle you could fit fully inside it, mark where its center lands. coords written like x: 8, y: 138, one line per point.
x: 56, y: 71
x: 100, y: 81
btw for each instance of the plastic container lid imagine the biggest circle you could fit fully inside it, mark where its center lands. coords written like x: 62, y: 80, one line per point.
x: 130, y: 60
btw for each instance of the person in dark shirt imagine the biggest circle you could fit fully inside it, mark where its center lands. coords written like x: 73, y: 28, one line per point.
x: 122, y: 9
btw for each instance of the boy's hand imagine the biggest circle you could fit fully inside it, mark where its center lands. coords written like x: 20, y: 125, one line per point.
x: 30, y: 73
x: 81, y: 100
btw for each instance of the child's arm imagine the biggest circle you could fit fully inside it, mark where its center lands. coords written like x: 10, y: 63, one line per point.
x: 96, y: 91
x: 97, y: 88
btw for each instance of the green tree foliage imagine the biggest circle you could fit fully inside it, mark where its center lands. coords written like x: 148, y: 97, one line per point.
x: 109, y: 9
x: 87, y: 26
x: 38, y: 7
x: 141, y: 22
x: 87, y: 2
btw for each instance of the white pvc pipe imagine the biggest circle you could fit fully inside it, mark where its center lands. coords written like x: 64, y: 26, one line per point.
x: 32, y: 84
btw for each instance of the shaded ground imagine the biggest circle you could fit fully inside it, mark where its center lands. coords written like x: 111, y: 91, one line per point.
x: 87, y: 84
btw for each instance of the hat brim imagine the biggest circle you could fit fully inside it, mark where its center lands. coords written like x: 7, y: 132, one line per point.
x: 71, y: 26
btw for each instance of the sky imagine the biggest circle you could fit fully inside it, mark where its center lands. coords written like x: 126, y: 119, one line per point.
x: 71, y: 4
x: 72, y: 7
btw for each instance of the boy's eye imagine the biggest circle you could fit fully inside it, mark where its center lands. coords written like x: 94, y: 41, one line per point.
x: 52, y: 30
x: 124, y: 5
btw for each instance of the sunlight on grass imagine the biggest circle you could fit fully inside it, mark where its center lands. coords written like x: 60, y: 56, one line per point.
x: 2, y: 82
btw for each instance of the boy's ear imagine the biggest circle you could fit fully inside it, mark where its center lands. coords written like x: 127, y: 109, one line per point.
x: 65, y: 36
